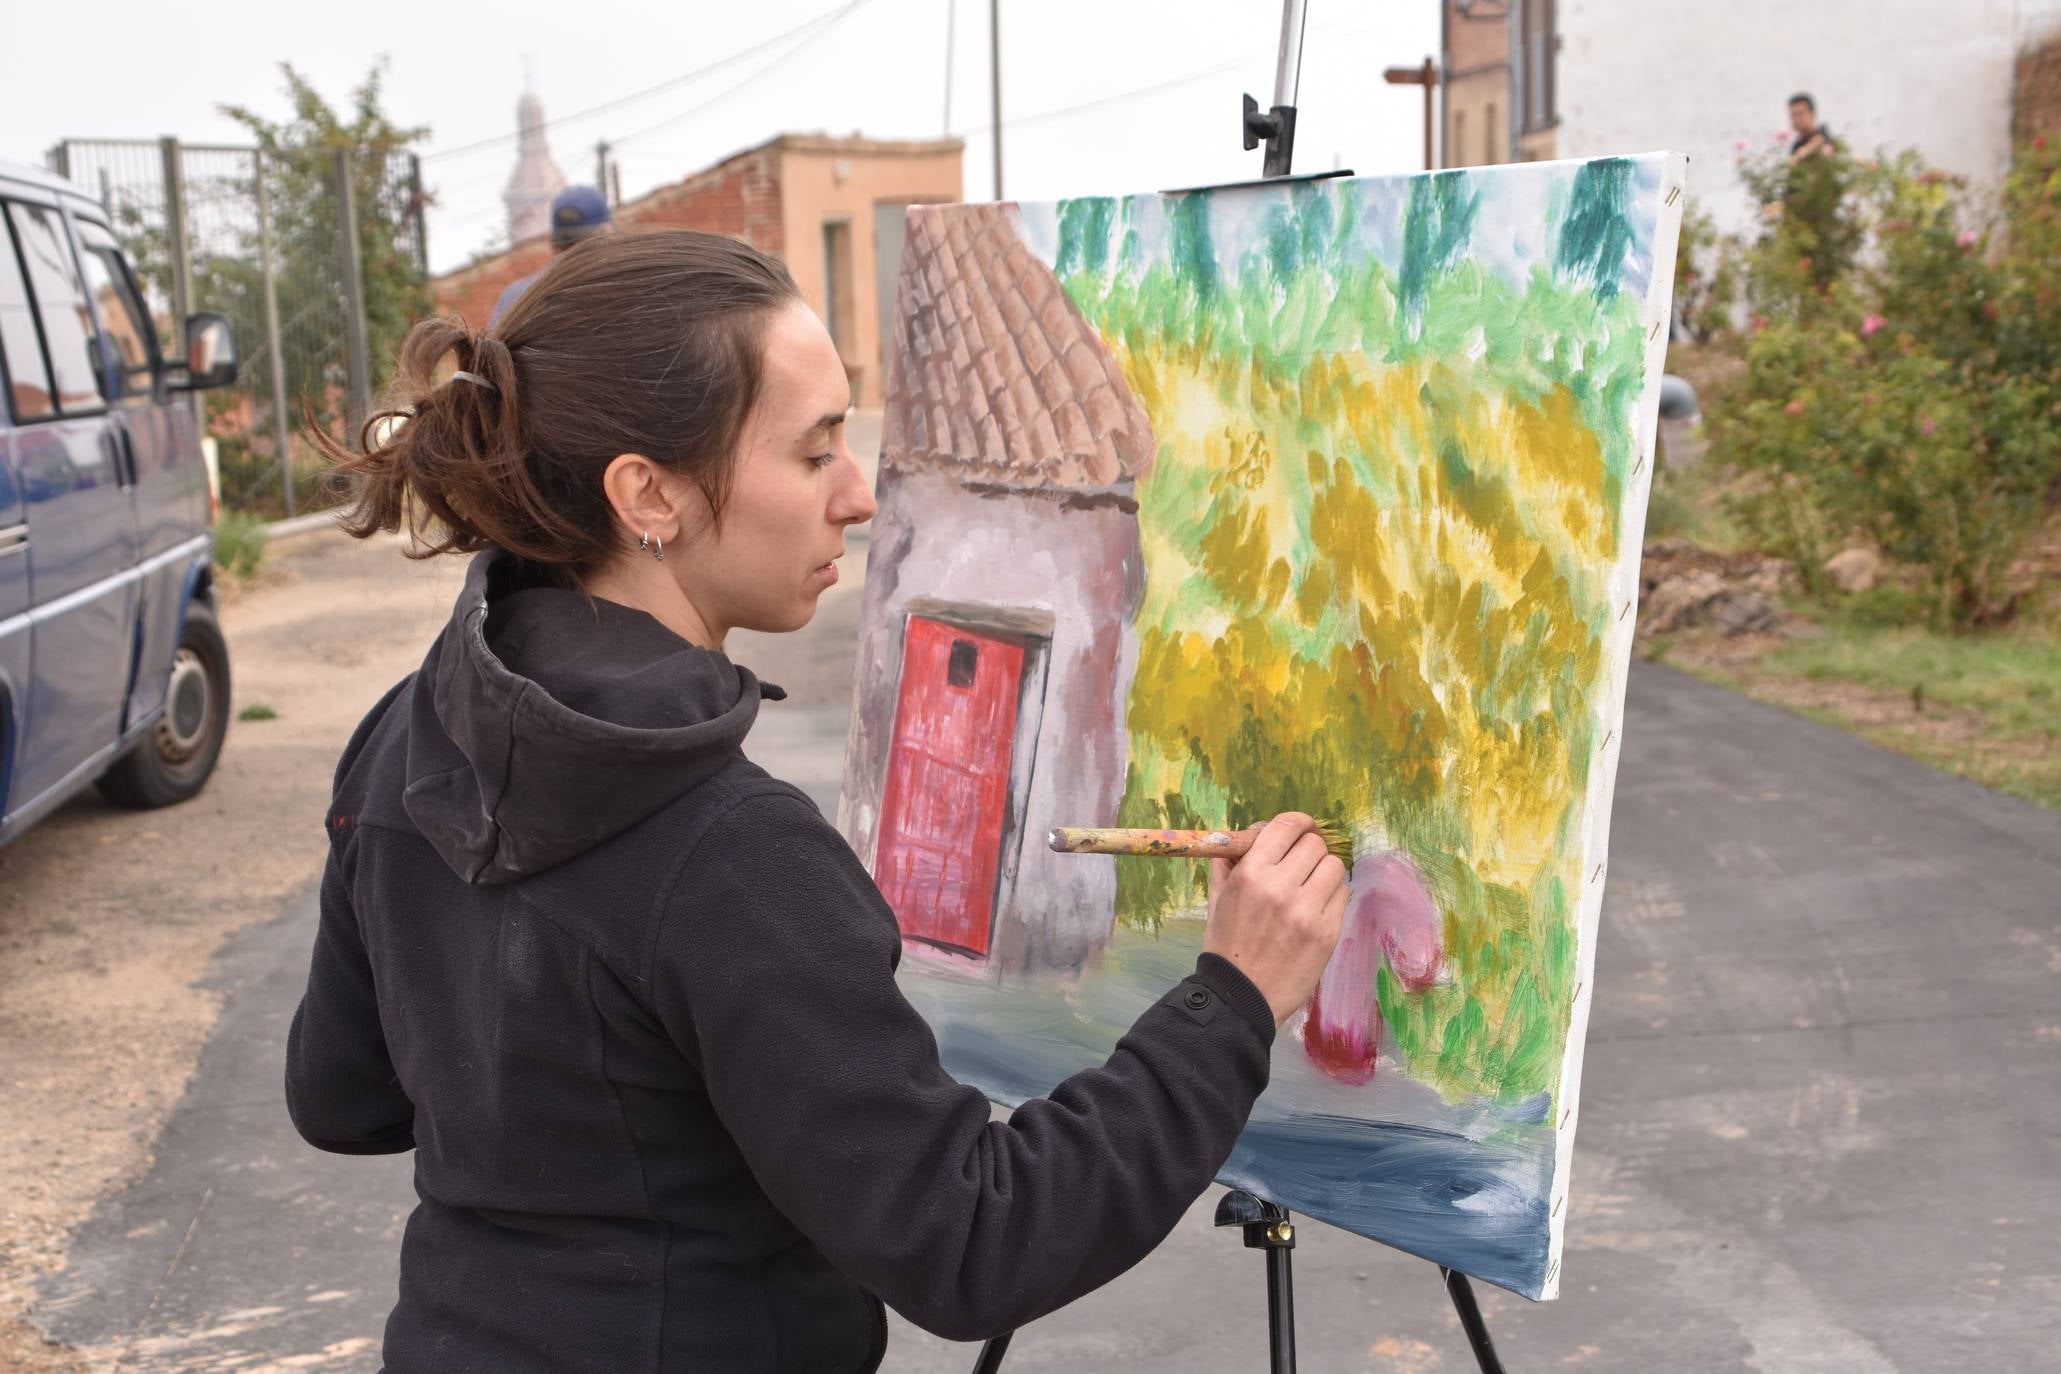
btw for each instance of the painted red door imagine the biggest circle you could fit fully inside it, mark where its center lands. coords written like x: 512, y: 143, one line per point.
x: 947, y: 791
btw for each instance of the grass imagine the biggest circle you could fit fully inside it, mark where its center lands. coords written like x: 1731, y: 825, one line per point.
x: 1986, y: 706
x: 239, y: 544
x: 257, y: 710
x: 2012, y: 676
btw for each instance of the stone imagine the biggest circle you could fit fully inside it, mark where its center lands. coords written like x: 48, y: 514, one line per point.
x: 1746, y: 612
x: 1681, y: 603
x: 1854, y: 570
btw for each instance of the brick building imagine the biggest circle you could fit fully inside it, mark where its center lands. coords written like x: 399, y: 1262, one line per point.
x: 830, y: 208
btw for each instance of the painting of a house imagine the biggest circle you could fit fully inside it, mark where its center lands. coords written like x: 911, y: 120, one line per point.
x: 1004, y: 571
x: 1322, y: 496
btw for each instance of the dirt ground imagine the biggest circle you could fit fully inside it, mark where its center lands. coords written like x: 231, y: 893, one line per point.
x: 108, y: 917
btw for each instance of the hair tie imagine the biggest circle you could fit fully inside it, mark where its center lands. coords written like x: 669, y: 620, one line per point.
x: 482, y: 383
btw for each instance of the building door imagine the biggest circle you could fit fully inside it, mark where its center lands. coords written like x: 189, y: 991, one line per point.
x: 947, y: 795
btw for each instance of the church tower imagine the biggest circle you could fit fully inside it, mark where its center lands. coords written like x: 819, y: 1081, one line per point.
x: 536, y: 178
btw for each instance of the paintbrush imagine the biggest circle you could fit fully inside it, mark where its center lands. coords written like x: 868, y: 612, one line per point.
x: 1182, y: 844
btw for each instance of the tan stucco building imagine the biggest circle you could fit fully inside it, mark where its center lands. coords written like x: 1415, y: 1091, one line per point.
x: 830, y: 208
x: 1499, y: 73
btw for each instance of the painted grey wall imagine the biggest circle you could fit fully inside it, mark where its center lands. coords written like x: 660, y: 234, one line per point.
x: 1042, y: 558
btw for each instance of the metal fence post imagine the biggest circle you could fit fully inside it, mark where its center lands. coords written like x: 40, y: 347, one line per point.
x: 357, y: 360
x: 281, y: 432
x: 416, y: 215
x: 179, y: 261
x: 176, y: 241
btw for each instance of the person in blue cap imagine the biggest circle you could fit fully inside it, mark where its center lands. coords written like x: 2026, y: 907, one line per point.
x: 577, y: 213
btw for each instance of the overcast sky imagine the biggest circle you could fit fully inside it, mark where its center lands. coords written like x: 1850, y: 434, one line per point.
x: 1169, y: 75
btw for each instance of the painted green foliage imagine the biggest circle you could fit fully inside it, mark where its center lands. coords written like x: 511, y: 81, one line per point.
x: 1598, y: 234
x: 1377, y: 537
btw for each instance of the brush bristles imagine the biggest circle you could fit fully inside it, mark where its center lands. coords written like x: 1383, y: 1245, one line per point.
x: 1337, y: 841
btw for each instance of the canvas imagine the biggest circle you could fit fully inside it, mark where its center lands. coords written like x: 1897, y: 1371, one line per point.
x: 1323, y: 496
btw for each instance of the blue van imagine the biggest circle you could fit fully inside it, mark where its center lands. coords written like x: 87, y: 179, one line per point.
x: 112, y: 665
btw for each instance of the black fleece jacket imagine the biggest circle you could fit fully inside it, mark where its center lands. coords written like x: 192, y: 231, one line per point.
x: 632, y: 1003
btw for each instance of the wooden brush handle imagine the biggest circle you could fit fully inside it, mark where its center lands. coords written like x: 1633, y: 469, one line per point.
x: 1163, y: 844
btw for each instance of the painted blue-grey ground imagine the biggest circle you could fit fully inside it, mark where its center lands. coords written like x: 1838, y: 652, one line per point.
x: 1462, y: 1184
x: 1820, y: 1119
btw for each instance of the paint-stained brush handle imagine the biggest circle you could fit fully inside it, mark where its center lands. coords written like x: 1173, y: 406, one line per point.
x: 1164, y: 844
x: 1183, y: 844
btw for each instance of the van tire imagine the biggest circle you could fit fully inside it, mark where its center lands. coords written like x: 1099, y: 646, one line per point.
x: 172, y: 763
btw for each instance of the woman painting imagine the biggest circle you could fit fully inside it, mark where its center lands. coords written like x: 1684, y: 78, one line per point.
x: 629, y: 999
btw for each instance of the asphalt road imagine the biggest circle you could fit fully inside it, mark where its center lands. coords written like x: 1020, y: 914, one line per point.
x: 1819, y: 1126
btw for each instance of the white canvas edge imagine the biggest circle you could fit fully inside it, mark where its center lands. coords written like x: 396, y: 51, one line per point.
x: 1624, y: 591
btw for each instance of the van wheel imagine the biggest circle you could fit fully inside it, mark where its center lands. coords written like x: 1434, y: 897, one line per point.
x: 173, y: 762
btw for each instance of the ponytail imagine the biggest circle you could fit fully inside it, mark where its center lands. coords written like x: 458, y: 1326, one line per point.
x: 646, y: 343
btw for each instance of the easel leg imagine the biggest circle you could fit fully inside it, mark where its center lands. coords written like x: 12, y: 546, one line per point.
x: 1266, y: 1227
x: 991, y: 1354
x: 1281, y: 1309
x: 1470, y: 1320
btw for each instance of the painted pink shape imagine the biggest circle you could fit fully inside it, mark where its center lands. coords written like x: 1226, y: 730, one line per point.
x: 1391, y: 916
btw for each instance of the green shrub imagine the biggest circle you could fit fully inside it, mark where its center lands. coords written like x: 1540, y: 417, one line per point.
x: 1706, y: 279
x: 239, y: 543
x: 1911, y: 395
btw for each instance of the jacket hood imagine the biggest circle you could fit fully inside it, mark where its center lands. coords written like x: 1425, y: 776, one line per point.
x: 545, y: 722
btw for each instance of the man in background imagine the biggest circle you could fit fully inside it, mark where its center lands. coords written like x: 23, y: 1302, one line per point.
x: 577, y: 213
x: 1812, y: 138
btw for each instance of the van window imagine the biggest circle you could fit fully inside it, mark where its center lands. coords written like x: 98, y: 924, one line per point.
x: 28, y: 380
x: 68, y: 335
x: 122, y: 319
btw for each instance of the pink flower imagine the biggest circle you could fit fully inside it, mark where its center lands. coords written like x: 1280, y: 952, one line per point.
x: 1795, y: 407
x: 1739, y: 146
x: 2039, y: 142
x: 1781, y: 137
x: 1927, y: 428
x: 1966, y: 238
x: 1871, y: 324
x: 1392, y: 919
x: 1760, y: 322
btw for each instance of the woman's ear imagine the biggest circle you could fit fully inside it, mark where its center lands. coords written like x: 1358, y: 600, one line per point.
x: 646, y: 498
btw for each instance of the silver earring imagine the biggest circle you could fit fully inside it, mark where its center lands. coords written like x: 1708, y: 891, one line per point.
x: 644, y: 543
x: 659, y: 550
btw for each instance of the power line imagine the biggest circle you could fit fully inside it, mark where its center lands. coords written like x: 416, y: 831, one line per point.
x: 826, y: 24
x: 1120, y: 97
x: 1169, y: 84
x: 826, y: 18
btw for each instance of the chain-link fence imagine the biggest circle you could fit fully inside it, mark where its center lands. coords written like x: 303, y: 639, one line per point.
x: 260, y: 236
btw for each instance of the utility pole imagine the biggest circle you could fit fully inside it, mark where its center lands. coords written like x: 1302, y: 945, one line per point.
x: 995, y: 80
x: 601, y: 168
x: 951, y: 43
x: 1427, y: 77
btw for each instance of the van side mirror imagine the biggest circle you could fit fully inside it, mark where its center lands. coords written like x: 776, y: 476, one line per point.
x: 210, y: 354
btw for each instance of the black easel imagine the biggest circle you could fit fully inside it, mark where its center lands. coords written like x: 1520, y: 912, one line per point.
x: 1266, y: 1225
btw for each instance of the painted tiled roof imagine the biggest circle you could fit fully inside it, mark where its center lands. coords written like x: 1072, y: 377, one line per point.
x: 996, y: 376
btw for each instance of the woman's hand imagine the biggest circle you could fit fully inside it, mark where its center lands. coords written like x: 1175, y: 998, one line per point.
x: 1275, y: 913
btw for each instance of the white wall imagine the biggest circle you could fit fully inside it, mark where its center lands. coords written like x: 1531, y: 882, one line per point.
x: 1696, y: 76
